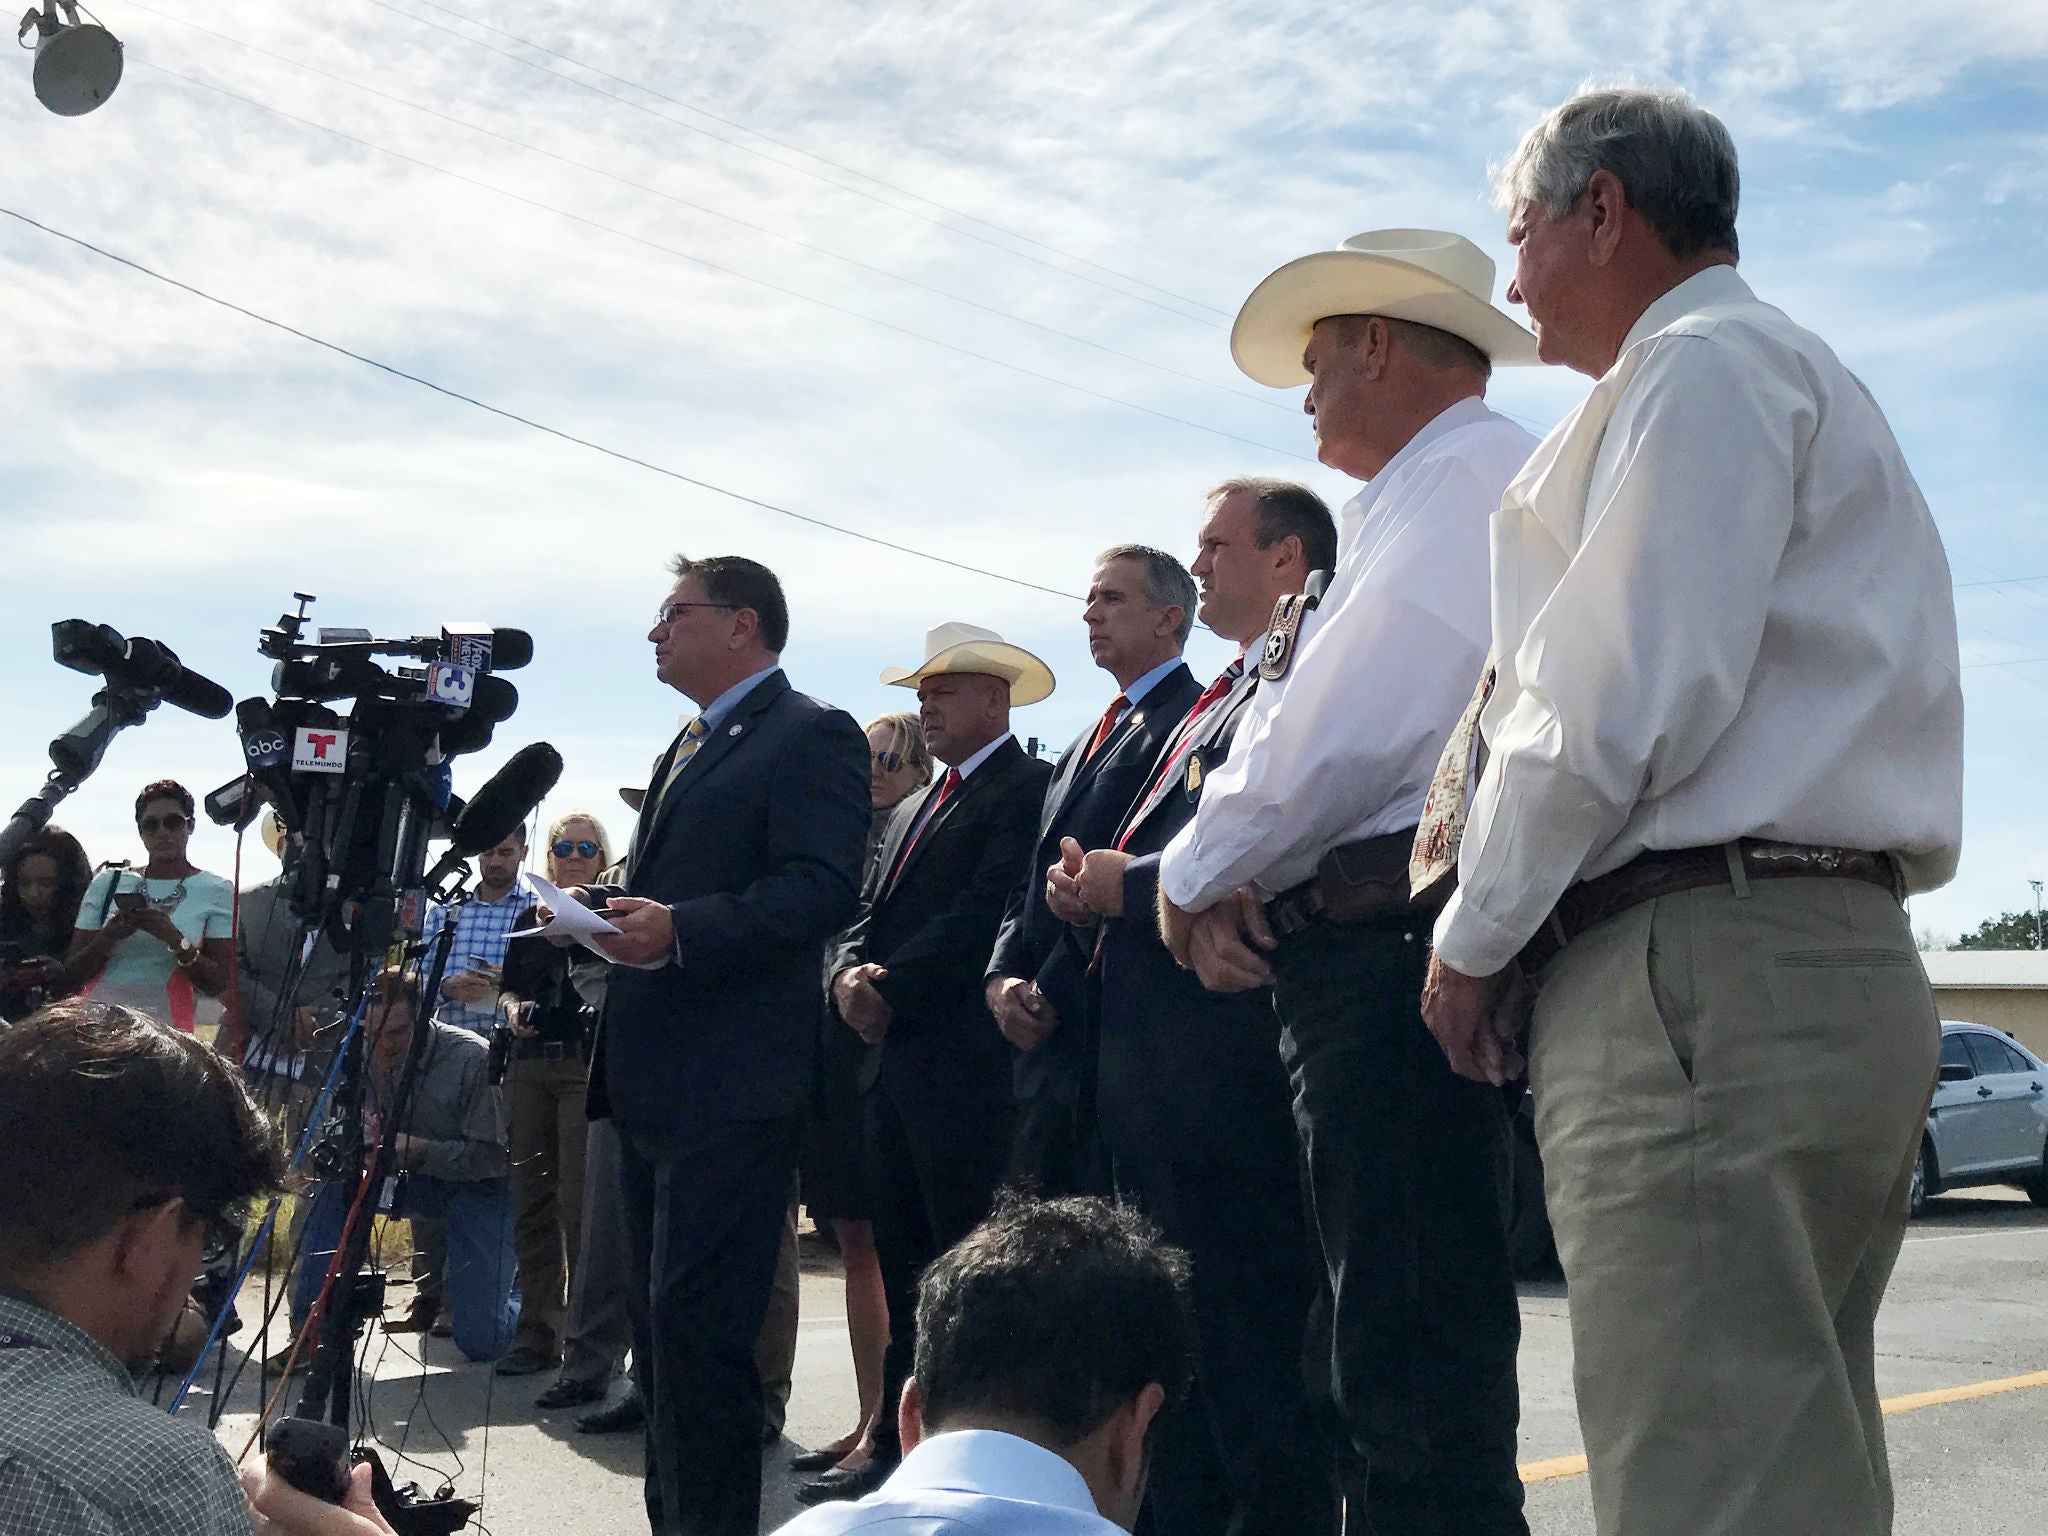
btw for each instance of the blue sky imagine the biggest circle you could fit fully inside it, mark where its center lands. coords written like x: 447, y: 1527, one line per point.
x: 177, y: 471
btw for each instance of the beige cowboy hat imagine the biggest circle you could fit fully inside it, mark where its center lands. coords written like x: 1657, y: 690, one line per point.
x: 1423, y: 275
x: 965, y: 648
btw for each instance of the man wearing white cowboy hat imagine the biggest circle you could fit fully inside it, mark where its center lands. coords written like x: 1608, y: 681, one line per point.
x: 1294, y: 870
x: 907, y: 978
x: 1725, y: 740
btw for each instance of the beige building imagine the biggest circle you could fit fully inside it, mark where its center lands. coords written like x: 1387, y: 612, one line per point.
x: 2003, y: 988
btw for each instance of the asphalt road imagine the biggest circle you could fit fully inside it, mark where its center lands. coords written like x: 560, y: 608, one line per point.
x: 1967, y: 1309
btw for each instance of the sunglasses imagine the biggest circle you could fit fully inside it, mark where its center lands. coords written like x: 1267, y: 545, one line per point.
x: 583, y: 847
x: 163, y: 823
x: 888, y: 762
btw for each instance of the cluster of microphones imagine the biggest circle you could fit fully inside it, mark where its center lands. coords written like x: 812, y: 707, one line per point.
x: 401, y: 724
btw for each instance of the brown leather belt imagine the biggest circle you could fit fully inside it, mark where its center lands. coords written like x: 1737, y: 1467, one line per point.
x: 1667, y: 872
x: 1354, y: 883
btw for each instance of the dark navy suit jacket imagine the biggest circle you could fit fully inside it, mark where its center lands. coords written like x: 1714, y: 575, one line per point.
x: 1184, y: 1074
x: 932, y: 927
x: 1087, y: 802
x: 756, y: 850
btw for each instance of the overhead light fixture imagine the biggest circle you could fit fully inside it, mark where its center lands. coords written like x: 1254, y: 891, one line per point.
x: 78, y: 63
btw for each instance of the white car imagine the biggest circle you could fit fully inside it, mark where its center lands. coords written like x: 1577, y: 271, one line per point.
x: 1988, y: 1123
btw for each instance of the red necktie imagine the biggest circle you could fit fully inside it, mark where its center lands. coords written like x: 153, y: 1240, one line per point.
x: 946, y: 787
x: 1110, y: 716
x: 1225, y: 681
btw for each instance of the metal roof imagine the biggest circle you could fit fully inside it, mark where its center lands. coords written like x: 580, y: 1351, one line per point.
x: 1987, y: 968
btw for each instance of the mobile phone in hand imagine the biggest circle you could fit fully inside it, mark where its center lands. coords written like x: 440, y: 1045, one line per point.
x: 131, y: 901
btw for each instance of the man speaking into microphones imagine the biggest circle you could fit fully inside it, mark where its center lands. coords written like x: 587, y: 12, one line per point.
x: 747, y: 858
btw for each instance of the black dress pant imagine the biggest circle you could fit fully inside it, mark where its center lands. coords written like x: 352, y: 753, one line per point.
x: 933, y: 1171
x: 1406, y: 1174
x: 704, y: 1223
x: 1240, y: 1455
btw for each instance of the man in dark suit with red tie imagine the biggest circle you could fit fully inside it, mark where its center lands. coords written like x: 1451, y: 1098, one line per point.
x: 908, y: 979
x: 746, y: 861
x: 1141, y: 607
x: 1193, y: 1103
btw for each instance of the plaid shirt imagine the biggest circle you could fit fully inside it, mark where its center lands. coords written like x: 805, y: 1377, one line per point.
x: 482, y: 929
x: 82, y: 1455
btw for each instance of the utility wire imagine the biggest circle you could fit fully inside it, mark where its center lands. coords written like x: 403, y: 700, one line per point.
x: 709, y: 265
x: 797, y: 149
x: 936, y: 223
x: 526, y: 421
x: 716, y: 213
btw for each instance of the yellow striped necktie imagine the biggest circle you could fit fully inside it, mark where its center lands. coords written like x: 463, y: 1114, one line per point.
x: 693, y: 738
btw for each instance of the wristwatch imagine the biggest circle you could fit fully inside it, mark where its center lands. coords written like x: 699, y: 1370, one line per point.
x: 186, y: 953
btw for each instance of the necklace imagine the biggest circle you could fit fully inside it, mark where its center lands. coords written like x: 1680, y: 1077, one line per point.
x: 166, y: 903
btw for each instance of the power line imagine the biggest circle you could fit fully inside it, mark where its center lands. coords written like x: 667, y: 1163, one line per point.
x: 721, y: 269
x: 716, y: 213
x: 766, y: 138
x: 528, y: 422
x: 641, y: 106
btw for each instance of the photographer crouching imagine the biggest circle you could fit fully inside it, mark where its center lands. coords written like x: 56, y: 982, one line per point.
x: 128, y: 1155
x: 448, y: 1138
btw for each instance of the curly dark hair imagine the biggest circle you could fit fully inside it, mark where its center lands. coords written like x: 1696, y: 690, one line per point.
x: 74, y: 874
x: 165, y: 789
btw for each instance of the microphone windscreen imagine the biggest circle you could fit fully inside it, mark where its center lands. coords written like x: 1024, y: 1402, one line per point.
x: 201, y: 695
x: 508, y: 797
x: 510, y: 648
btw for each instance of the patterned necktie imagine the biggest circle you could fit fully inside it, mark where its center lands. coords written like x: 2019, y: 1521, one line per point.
x: 1184, y: 738
x: 1110, y: 716
x: 693, y: 738
x: 1442, y: 827
x: 931, y: 812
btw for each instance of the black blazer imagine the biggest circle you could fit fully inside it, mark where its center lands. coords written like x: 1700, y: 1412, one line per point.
x: 1183, y: 1072
x: 933, y: 924
x: 756, y: 851
x: 1086, y: 802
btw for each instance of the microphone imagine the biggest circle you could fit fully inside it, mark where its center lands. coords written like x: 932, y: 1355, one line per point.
x: 501, y: 807
x: 494, y: 701
x: 485, y: 648
x: 101, y: 649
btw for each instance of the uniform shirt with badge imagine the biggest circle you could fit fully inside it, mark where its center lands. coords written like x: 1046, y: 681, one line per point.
x: 1342, y: 738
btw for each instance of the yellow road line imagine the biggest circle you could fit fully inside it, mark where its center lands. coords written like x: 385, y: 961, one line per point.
x: 1556, y: 1467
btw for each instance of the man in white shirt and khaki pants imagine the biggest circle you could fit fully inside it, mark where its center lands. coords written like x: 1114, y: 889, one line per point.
x: 1724, y: 739
x: 1294, y: 871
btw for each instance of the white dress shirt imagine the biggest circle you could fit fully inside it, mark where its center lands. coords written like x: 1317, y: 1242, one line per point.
x: 1344, y: 745
x: 1721, y: 610
x: 969, y: 1481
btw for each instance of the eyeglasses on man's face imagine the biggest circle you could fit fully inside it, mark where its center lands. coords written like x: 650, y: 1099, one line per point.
x: 224, y: 1229
x: 581, y: 847
x: 670, y: 612
x: 173, y: 823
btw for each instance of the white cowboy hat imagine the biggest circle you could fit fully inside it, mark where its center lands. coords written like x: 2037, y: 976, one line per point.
x: 966, y: 648
x: 1423, y: 275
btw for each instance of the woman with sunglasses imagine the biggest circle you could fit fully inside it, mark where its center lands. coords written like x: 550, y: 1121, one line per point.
x: 161, y: 939
x: 835, y: 1185
x: 551, y: 1006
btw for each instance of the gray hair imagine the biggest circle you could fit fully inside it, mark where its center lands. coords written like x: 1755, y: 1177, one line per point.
x: 1672, y: 157
x: 1167, y: 582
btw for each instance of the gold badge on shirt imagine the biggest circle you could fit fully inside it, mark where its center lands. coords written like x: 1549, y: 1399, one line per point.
x: 1194, y: 778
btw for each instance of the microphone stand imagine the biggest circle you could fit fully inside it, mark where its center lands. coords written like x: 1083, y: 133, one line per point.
x: 74, y: 755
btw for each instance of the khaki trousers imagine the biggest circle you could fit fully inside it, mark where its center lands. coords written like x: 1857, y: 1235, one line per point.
x: 544, y: 1110
x: 1730, y: 1092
